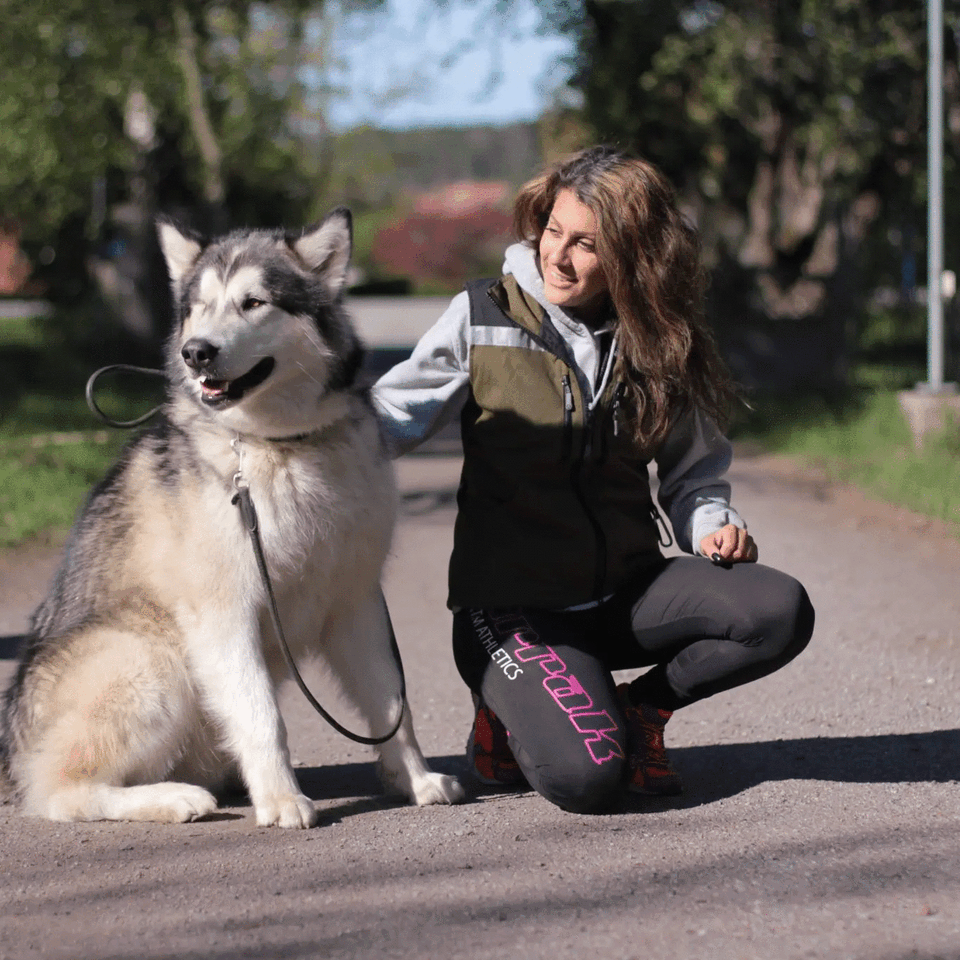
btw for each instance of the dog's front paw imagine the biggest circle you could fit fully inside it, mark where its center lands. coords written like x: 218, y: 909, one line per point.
x: 293, y: 810
x: 437, y: 788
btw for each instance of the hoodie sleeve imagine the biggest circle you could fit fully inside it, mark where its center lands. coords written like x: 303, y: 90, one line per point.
x: 690, y: 466
x: 425, y: 392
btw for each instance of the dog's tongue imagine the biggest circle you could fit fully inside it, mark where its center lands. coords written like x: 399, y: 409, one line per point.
x: 214, y: 388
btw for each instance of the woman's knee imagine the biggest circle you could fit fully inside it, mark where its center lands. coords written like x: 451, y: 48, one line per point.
x: 782, y: 619
x: 578, y: 787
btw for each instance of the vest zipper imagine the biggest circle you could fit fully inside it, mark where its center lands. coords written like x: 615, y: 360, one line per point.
x: 613, y: 411
x: 617, y: 397
x: 576, y: 478
x: 567, y: 444
x: 576, y: 468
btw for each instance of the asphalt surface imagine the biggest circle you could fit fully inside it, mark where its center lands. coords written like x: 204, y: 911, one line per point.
x: 820, y: 816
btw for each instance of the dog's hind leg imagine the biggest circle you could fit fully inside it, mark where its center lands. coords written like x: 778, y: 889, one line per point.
x: 159, y: 802
x: 360, y: 653
x: 112, y: 711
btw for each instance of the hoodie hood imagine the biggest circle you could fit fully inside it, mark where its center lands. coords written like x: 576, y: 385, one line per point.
x: 520, y: 260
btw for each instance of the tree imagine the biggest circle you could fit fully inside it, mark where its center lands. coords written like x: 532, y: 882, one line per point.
x: 112, y: 110
x: 791, y: 130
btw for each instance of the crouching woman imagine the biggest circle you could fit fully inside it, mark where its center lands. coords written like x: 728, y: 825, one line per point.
x: 587, y: 360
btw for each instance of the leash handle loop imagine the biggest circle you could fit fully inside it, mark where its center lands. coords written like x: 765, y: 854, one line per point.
x: 126, y: 368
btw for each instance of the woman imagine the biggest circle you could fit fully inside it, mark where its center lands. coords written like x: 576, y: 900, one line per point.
x: 586, y: 360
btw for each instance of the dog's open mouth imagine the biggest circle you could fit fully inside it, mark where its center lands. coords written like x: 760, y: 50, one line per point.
x: 218, y: 393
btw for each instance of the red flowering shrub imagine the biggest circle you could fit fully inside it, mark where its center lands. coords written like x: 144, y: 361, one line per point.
x: 441, y: 249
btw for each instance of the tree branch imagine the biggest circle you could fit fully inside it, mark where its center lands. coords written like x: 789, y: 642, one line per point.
x: 210, y: 154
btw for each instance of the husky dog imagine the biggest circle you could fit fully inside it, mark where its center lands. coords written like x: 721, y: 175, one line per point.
x: 150, y: 672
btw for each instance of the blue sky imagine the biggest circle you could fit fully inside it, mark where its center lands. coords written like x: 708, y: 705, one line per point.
x: 416, y: 65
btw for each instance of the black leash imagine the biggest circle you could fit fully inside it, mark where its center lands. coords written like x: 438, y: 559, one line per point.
x: 248, y: 513
x: 126, y: 368
x: 244, y: 501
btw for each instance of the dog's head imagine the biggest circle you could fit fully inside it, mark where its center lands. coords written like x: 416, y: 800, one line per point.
x: 261, y: 334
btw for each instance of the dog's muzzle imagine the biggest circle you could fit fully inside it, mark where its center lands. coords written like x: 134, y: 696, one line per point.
x: 200, y: 355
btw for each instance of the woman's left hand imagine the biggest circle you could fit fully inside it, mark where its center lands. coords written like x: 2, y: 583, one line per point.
x: 733, y: 544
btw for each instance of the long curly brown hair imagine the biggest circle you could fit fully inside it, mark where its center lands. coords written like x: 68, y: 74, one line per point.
x: 668, y: 358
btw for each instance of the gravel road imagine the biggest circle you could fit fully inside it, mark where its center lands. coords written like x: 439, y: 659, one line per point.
x: 820, y: 818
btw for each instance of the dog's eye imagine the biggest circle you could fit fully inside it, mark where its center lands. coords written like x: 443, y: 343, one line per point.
x: 251, y: 303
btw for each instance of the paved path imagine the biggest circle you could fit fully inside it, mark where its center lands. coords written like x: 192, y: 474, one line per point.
x: 820, y: 818
x: 395, y: 322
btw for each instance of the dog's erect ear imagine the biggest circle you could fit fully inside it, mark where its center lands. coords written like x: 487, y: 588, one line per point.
x: 326, y: 249
x: 179, y: 250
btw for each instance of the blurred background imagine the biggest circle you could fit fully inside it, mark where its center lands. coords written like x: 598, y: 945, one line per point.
x: 794, y: 132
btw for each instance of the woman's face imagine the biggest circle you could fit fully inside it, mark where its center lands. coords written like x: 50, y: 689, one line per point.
x: 572, y: 275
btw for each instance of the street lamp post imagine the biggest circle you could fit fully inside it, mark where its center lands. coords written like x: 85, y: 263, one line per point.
x: 933, y: 404
x: 935, y: 333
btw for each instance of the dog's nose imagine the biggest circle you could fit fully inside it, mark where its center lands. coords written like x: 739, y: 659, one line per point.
x: 198, y: 353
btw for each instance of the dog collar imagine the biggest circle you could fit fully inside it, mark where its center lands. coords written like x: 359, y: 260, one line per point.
x: 294, y: 438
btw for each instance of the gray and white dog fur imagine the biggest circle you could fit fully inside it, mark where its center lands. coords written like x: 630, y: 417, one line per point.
x: 150, y: 673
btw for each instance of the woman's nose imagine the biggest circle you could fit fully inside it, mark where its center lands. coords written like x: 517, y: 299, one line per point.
x: 557, y: 254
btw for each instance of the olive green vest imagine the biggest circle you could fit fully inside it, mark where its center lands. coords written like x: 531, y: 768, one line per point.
x: 554, y: 501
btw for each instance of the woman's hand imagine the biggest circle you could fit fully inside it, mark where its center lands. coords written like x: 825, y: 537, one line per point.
x: 732, y: 544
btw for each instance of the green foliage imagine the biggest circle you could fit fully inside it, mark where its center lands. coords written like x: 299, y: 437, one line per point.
x: 737, y: 78
x: 366, y: 225
x: 61, y: 93
x: 42, y: 485
x: 68, y: 71
x: 836, y: 77
x: 43, y: 375
x: 373, y: 168
x: 794, y: 132
x: 862, y: 438
x: 52, y: 449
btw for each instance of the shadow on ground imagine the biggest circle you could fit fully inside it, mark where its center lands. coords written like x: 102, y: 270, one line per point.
x: 10, y: 647
x: 345, y: 780
x: 714, y: 773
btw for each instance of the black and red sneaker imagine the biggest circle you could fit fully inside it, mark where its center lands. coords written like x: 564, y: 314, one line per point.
x: 650, y: 770
x: 489, y: 757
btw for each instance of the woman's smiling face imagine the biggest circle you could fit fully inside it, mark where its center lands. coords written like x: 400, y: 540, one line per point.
x: 572, y: 275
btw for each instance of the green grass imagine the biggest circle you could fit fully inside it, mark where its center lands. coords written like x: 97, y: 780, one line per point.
x: 52, y: 448
x: 43, y: 485
x: 864, y: 439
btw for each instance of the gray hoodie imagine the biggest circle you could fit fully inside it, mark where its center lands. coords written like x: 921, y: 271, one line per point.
x: 424, y: 393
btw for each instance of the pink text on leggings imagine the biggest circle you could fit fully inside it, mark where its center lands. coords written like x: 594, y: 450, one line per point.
x: 568, y: 693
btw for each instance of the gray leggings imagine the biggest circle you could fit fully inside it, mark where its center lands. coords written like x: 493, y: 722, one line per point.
x: 547, y: 673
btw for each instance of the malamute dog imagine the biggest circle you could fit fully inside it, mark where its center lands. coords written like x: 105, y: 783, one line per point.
x: 149, y: 677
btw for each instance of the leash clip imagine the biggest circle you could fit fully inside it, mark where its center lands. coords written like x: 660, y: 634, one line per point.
x: 241, y: 498
x: 239, y: 481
